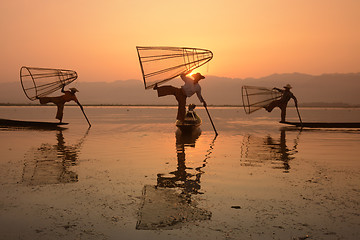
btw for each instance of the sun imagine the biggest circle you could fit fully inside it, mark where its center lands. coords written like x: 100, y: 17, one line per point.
x: 191, y: 73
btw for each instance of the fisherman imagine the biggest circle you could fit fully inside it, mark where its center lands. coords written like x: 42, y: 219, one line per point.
x: 61, y: 100
x: 190, y: 87
x: 283, y: 101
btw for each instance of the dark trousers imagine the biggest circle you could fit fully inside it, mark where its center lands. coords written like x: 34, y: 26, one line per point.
x: 180, y: 97
x: 58, y: 101
x: 280, y: 104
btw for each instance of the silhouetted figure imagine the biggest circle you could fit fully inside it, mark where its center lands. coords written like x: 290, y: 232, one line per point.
x: 190, y: 87
x: 283, y: 101
x: 61, y: 100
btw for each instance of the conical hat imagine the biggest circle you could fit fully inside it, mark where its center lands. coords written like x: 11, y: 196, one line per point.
x: 73, y: 89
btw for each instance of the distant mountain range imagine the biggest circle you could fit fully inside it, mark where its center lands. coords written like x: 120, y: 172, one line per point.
x: 323, y: 90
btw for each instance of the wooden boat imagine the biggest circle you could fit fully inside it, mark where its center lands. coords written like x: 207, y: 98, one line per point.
x: 30, y: 124
x: 325, y: 124
x: 191, y: 121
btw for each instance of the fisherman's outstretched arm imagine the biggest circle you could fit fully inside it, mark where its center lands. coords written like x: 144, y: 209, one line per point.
x: 278, y: 89
x: 183, y: 75
x: 187, y: 72
x: 204, y: 103
x: 201, y: 98
x: 295, y: 100
x: 81, y: 107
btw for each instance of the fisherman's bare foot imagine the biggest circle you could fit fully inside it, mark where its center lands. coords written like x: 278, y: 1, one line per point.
x: 266, y: 108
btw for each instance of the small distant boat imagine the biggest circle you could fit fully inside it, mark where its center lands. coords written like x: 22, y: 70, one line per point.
x: 191, y: 121
x: 325, y: 124
x: 30, y: 124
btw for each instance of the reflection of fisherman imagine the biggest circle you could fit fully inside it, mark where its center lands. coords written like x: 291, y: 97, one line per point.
x: 283, y: 101
x: 190, y: 87
x: 286, y: 153
x: 61, y: 100
x: 188, y: 182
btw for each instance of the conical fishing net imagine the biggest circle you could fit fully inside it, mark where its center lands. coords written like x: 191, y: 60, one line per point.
x: 160, y: 64
x: 255, y: 98
x: 40, y: 82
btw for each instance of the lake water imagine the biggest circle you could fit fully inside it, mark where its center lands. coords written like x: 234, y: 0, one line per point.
x: 132, y: 175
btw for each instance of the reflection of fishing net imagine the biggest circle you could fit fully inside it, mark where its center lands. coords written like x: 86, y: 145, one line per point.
x: 160, y: 64
x: 40, y: 82
x: 255, y: 98
x: 163, y: 208
x: 48, y: 165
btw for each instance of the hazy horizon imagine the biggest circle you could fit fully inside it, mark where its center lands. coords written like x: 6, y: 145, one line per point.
x: 325, y: 88
x: 79, y: 79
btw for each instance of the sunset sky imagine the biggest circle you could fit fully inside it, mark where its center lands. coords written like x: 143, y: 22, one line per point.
x: 249, y: 38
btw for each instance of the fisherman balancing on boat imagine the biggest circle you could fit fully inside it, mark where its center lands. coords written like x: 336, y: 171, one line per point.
x: 282, y: 102
x: 190, y: 87
x: 61, y: 100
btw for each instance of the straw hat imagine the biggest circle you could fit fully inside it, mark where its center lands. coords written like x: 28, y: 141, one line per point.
x: 73, y: 89
x: 288, y: 86
x: 198, y: 76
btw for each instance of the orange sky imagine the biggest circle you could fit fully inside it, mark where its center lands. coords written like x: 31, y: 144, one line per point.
x: 249, y: 38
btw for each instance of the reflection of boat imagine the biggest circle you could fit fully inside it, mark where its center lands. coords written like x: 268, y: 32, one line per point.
x: 31, y: 124
x: 187, y: 138
x: 191, y: 121
x: 325, y: 124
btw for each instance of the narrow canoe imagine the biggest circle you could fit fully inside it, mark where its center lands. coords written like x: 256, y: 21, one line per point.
x: 325, y: 124
x: 34, y: 124
x: 191, y: 122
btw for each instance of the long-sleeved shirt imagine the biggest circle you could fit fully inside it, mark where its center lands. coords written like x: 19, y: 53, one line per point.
x: 190, y: 87
x: 60, y: 100
x: 68, y: 96
x: 286, y: 95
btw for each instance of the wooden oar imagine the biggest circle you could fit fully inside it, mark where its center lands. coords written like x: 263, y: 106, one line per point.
x: 86, y: 118
x: 82, y: 109
x: 298, y: 115
x: 210, y: 119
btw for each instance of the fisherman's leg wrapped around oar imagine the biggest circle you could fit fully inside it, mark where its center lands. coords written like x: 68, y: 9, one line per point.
x: 60, y: 111
x: 180, y: 97
x: 58, y: 101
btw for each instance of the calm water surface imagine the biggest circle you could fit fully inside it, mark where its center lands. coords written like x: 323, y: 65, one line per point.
x: 133, y: 174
